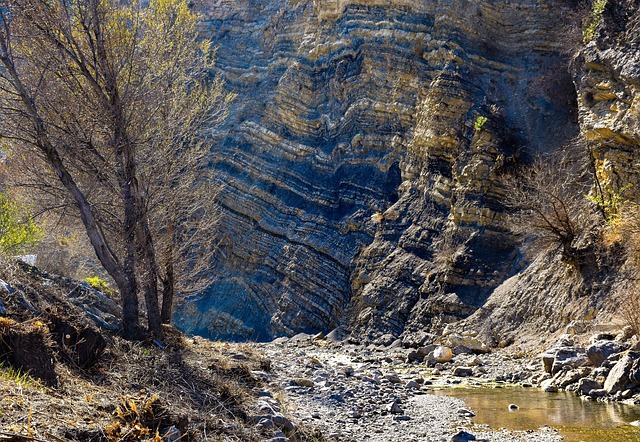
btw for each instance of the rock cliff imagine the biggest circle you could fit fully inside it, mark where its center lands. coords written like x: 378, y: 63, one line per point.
x: 362, y: 161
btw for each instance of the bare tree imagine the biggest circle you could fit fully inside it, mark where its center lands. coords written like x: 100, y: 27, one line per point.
x: 90, y: 93
x: 549, y: 204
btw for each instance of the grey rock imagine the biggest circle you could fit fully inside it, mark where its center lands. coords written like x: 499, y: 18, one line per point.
x: 401, y: 417
x: 548, y: 386
x: 462, y: 436
x: 393, y: 378
x: 412, y: 385
x: 567, y: 377
x: 463, y: 371
x: 470, y: 342
x: 462, y: 350
x: 599, y: 351
x: 465, y: 413
x: 586, y: 386
x: 598, y: 393
x: 625, y: 374
x: 568, y: 357
x: 394, y: 408
x: 283, y: 423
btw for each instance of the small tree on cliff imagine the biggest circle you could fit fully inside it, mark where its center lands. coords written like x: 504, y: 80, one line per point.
x: 549, y: 204
x: 90, y: 92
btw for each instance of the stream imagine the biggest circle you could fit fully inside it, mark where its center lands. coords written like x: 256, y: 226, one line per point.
x: 576, y: 420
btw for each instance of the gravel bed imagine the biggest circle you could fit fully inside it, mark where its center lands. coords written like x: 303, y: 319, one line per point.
x: 353, y: 393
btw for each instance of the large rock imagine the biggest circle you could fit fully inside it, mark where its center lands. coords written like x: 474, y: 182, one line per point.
x: 470, y: 342
x: 600, y: 351
x: 555, y: 359
x: 625, y: 374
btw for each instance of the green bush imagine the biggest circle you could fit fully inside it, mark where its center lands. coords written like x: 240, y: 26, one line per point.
x: 100, y: 285
x: 18, y: 231
x: 480, y: 121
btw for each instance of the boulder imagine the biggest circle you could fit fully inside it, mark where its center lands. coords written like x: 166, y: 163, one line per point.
x: 462, y: 350
x: 625, y: 374
x: 568, y: 357
x: 470, y: 342
x: 442, y: 354
x: 548, y: 386
x: 419, y: 354
x: 599, y: 351
x: 586, y: 386
x: 567, y: 377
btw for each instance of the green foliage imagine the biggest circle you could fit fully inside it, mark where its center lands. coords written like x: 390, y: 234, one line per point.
x: 480, y: 121
x: 590, y: 24
x: 100, y: 285
x: 610, y: 202
x: 18, y: 231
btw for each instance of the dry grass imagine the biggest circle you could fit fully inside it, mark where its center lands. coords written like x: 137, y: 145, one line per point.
x: 136, y: 391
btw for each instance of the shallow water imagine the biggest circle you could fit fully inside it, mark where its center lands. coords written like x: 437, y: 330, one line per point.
x: 575, y: 419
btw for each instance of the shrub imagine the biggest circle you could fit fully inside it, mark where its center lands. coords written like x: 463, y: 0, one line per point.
x: 549, y: 209
x: 480, y: 122
x: 100, y: 285
x: 18, y: 231
x: 590, y: 24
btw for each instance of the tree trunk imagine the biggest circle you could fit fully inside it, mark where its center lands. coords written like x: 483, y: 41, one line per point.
x: 168, y: 292
x: 168, y: 283
x: 127, y: 286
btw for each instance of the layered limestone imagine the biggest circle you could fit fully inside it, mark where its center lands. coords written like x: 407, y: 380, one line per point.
x: 362, y: 161
x: 549, y: 293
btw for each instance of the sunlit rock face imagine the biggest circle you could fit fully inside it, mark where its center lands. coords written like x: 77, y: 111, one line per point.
x: 360, y: 187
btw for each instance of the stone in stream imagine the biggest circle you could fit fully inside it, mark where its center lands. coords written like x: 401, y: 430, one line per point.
x: 548, y: 386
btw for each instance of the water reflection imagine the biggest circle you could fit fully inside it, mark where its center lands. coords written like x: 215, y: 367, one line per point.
x: 577, y: 420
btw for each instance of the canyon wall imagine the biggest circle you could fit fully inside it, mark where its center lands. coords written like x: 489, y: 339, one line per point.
x: 363, y: 159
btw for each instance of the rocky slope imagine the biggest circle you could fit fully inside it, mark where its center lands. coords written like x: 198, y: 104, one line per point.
x: 361, y: 163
